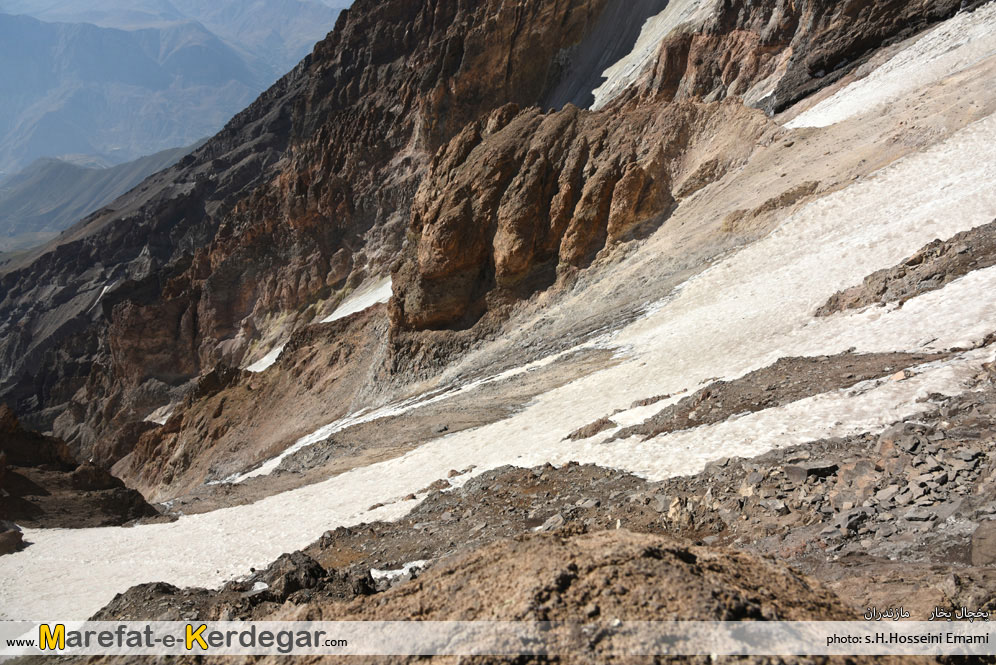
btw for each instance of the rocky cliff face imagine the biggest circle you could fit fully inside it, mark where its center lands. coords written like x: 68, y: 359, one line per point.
x: 303, y: 194
x: 411, y: 139
x: 521, y: 198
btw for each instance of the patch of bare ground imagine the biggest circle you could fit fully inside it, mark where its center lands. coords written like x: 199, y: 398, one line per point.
x: 591, y: 429
x: 933, y: 266
x: 741, y: 220
x: 787, y: 380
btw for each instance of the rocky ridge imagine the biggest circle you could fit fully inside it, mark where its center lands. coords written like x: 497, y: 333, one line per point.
x: 933, y: 266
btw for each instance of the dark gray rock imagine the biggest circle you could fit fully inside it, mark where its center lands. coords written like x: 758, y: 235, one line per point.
x: 799, y: 473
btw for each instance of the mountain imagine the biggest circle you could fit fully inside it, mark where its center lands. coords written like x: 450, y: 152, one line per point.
x: 77, y: 88
x: 279, y: 32
x: 490, y: 278
x: 274, y: 34
x: 52, y: 194
x: 119, y: 80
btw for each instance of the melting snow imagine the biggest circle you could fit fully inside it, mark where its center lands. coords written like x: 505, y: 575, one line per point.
x: 103, y: 292
x: 396, y: 409
x: 377, y: 293
x: 952, y: 47
x: 161, y: 415
x: 743, y: 314
x: 320, y: 434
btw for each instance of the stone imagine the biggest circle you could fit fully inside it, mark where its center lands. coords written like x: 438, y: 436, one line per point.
x: 887, y: 494
x: 799, y: 473
x: 852, y: 519
x: 11, y: 538
x: 886, y: 530
x: 984, y: 544
x: 966, y: 455
x: 945, y: 510
x: 290, y: 573
x: 90, y: 477
x: 554, y: 522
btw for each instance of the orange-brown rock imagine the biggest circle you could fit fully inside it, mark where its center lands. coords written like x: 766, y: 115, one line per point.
x: 512, y: 201
x: 304, y: 193
x: 522, y: 196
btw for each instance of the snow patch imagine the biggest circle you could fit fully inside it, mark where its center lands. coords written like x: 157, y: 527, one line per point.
x: 954, y: 46
x: 267, y: 361
x: 361, y: 300
x: 103, y: 292
x: 161, y: 415
x: 400, y: 572
x: 628, y: 69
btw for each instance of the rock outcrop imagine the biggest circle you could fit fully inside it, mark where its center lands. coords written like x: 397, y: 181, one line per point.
x: 930, y: 268
x: 42, y: 485
x: 521, y: 198
x: 304, y: 193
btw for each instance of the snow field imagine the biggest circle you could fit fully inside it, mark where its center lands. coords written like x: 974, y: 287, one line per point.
x: 953, y: 46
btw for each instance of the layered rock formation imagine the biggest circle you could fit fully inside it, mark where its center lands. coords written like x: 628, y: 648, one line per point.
x: 411, y: 139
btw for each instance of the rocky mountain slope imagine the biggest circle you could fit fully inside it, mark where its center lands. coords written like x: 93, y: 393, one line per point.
x: 766, y: 237
x: 52, y: 194
x: 310, y: 191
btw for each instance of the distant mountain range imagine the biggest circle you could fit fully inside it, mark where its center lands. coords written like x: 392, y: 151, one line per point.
x: 51, y: 194
x: 115, y: 80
